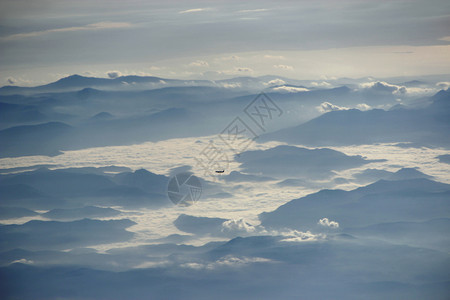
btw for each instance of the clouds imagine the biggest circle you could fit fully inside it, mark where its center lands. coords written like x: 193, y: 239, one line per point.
x: 325, y: 107
x: 299, y: 236
x: 238, y: 228
x: 199, y: 63
x: 113, y: 74
x: 88, y: 27
x: 327, y: 223
x: 363, y: 106
x: 290, y: 89
x: 193, y: 10
x: 348, y: 28
x: 384, y: 87
x: 445, y: 38
x: 228, y: 261
x: 243, y: 69
x: 23, y: 261
x: 278, y: 57
x: 443, y: 84
x: 234, y: 85
x: 320, y: 84
x: 284, y: 67
x: 277, y: 81
x: 401, y: 90
x: 253, y: 10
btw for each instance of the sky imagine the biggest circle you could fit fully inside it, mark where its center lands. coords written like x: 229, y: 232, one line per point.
x: 44, y: 40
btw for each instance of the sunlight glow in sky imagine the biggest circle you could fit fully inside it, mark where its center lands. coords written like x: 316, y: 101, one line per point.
x: 47, y: 39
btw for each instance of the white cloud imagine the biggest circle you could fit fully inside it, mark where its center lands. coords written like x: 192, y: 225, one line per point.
x: 363, y: 107
x: 300, y: 236
x: 252, y: 10
x: 275, y: 82
x: 113, y: 74
x: 238, y: 261
x: 238, y: 227
x: 226, y: 261
x: 445, y: 38
x: 94, y: 26
x: 384, y: 87
x: 199, y: 63
x: 284, y: 67
x: 290, y: 89
x: 320, y: 84
x: 419, y: 91
x: 232, y: 85
x: 381, y: 86
x: 327, y: 106
x: 152, y: 264
x: 443, y: 84
x: 23, y: 261
x: 193, y: 10
x: 327, y: 223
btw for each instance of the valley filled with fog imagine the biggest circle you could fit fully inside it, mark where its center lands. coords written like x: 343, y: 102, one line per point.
x: 337, y: 188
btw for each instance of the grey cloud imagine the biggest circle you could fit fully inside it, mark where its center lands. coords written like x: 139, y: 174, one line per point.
x: 114, y: 74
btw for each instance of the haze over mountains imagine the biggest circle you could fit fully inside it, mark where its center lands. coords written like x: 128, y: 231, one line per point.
x: 344, y: 196
x: 233, y: 149
x: 69, y: 114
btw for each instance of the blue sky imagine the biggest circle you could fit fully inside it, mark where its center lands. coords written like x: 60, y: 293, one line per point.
x: 44, y: 40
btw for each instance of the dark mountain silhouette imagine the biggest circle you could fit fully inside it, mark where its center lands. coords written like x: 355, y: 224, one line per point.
x: 38, y: 235
x: 444, y: 158
x: 382, y: 201
x: 290, y: 161
x: 198, y: 225
x: 372, y: 175
x: 75, y: 82
x: 72, y: 188
x: 19, y: 113
x: 50, y: 138
x: 15, y: 212
x: 80, y: 213
x: 42, y: 139
x: 143, y: 180
x: 428, y: 126
x: 432, y: 234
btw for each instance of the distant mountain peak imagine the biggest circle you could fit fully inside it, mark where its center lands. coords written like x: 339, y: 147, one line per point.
x: 408, y: 173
